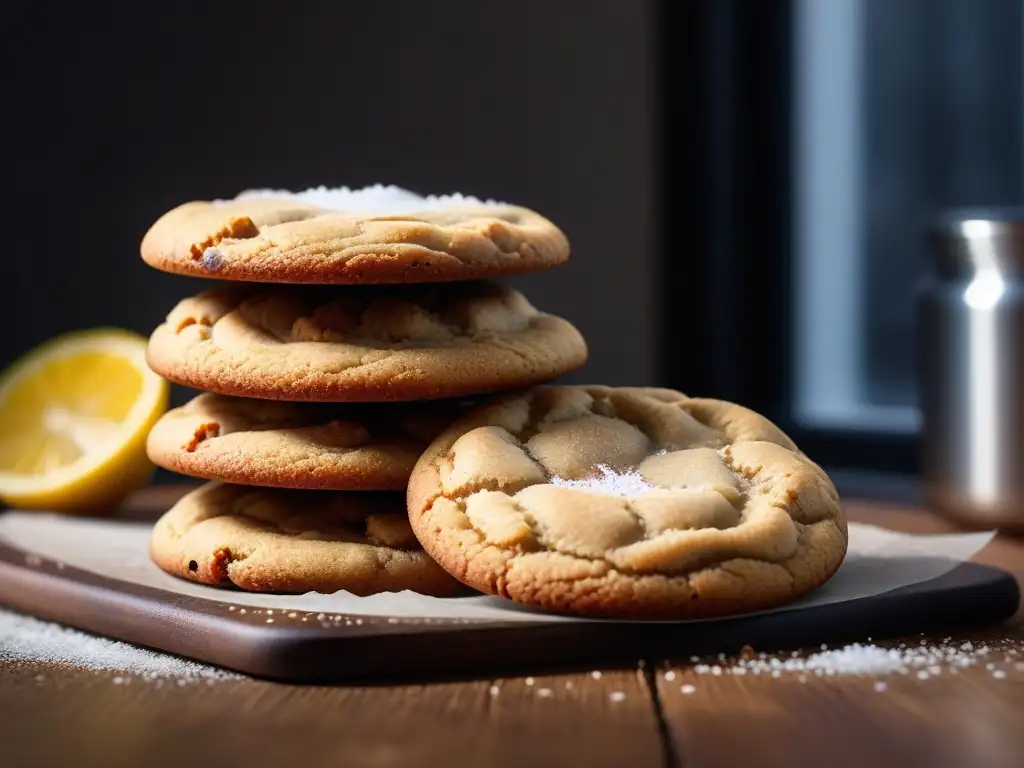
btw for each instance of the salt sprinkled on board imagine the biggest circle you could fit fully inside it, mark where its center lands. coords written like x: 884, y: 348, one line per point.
x: 377, y: 199
x: 24, y: 639
x: 629, y: 483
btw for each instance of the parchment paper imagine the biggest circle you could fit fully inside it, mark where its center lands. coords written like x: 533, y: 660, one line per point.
x: 878, y: 561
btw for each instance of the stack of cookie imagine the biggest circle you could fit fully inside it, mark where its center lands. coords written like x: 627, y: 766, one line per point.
x: 323, y: 389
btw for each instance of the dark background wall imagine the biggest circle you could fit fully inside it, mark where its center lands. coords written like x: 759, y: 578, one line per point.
x: 121, y: 112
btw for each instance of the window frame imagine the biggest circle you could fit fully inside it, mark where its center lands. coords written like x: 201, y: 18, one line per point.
x: 728, y: 203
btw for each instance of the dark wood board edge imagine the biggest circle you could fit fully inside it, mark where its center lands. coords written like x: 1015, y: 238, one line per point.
x: 383, y: 650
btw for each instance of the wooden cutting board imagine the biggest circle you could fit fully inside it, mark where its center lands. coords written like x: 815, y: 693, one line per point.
x: 299, y: 646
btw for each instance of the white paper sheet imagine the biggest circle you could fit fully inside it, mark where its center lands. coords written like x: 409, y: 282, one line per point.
x: 878, y: 561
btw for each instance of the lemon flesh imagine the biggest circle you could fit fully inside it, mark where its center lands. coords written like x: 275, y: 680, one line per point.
x: 74, y: 415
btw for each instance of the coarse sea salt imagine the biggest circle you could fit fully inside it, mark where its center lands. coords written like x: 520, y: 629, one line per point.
x: 24, y: 639
x: 610, y: 481
x: 925, y: 661
x: 376, y: 199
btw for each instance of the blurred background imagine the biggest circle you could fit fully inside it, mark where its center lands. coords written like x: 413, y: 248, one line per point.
x: 742, y: 182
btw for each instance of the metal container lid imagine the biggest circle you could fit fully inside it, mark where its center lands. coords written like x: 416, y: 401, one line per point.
x: 973, y: 240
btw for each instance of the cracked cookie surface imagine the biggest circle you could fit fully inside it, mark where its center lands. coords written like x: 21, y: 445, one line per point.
x: 289, y: 239
x: 297, y: 445
x: 366, y: 344
x: 288, y: 541
x: 626, y: 503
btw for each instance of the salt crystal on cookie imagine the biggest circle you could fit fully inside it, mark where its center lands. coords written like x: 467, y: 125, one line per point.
x: 377, y: 198
x: 625, y: 484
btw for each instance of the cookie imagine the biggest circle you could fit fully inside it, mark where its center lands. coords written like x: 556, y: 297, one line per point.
x: 297, y: 445
x: 264, y: 540
x: 362, y: 344
x: 374, y: 235
x: 617, y: 503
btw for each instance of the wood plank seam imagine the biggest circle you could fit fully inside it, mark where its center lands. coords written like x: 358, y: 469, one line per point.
x: 670, y: 756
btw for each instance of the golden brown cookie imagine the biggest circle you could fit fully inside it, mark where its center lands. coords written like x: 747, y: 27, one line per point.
x: 363, y: 344
x: 618, y: 503
x: 365, y: 447
x: 264, y: 540
x: 376, y: 235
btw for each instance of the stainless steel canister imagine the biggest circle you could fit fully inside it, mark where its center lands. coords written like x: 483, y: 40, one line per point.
x: 971, y: 355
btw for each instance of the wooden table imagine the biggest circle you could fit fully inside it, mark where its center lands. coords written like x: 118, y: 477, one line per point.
x: 635, y: 716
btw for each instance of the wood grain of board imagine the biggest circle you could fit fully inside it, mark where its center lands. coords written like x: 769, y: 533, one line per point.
x: 295, y: 647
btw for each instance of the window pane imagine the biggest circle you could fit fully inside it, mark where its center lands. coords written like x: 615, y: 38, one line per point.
x: 902, y: 109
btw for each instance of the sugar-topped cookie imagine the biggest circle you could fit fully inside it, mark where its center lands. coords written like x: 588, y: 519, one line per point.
x: 624, y: 503
x: 340, y: 236
x: 267, y: 540
x: 363, y: 344
x: 298, y: 445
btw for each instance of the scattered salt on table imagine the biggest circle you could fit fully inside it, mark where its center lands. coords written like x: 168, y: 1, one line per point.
x: 24, y: 639
x: 925, y: 661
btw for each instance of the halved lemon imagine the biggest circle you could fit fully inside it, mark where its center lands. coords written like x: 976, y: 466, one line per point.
x: 74, y: 415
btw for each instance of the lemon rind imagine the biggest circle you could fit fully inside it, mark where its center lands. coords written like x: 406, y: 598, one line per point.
x: 152, y: 397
